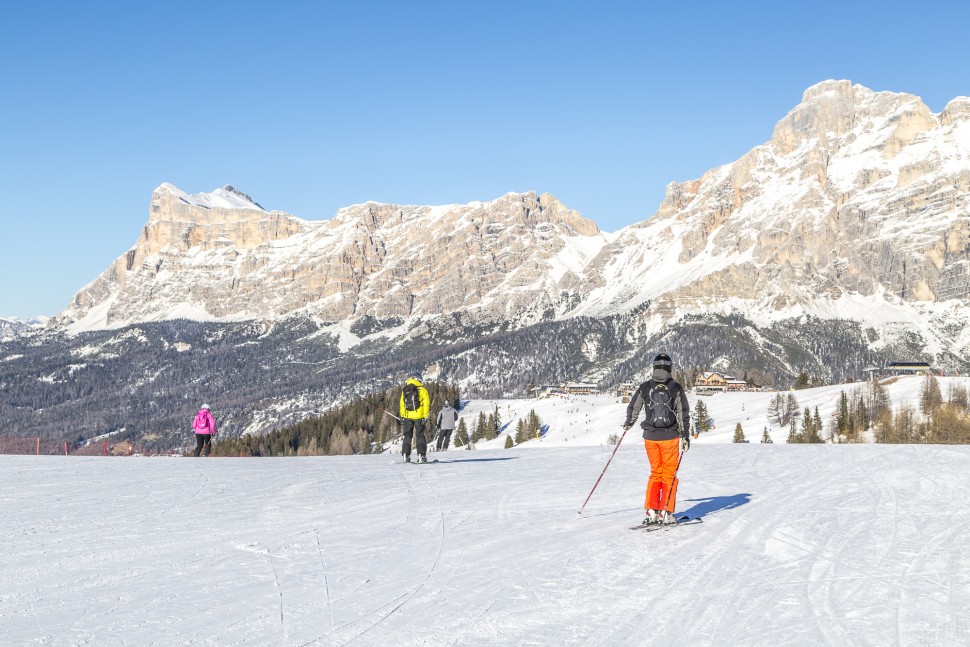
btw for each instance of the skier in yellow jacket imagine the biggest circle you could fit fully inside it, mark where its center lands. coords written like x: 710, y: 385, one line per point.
x: 415, y: 407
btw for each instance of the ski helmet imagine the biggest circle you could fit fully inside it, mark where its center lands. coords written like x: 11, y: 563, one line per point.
x: 663, y: 361
x: 205, y: 406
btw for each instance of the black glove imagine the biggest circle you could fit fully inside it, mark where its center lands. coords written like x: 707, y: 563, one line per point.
x: 684, y: 443
x: 627, y: 425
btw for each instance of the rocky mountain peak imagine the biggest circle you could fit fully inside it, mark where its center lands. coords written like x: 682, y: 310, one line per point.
x: 858, y: 202
x: 218, y: 256
x: 958, y: 110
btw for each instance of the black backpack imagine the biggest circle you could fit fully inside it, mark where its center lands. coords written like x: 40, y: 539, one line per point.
x: 412, y: 399
x: 660, y: 412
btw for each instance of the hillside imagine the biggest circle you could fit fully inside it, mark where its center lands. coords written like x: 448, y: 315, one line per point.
x: 834, y: 545
x: 590, y: 420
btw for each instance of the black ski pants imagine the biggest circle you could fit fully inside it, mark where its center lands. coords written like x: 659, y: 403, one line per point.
x: 203, y: 444
x: 417, y: 428
x: 444, y: 437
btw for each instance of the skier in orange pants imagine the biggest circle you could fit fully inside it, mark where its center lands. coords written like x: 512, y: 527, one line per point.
x: 666, y: 431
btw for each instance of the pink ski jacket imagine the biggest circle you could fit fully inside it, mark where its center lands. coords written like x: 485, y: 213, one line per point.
x: 204, y: 422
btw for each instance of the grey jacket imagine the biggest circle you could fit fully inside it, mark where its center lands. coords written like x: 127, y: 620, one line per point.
x: 447, y: 418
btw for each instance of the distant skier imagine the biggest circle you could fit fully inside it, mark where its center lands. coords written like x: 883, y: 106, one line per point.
x: 205, y: 428
x: 447, y: 420
x: 415, y: 408
x: 666, y: 429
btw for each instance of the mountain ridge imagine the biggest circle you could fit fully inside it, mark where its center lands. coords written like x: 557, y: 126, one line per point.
x: 841, y: 243
x: 856, y: 193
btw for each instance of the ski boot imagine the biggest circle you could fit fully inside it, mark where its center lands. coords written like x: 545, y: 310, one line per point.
x: 424, y: 459
x: 653, y: 518
x: 667, y: 518
x: 407, y: 458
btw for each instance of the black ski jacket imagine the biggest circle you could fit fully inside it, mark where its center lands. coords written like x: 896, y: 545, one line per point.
x: 678, y: 402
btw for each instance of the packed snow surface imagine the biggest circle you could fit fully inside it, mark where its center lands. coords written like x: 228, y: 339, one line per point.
x: 800, y: 545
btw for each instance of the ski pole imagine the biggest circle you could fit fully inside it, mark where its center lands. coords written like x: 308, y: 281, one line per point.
x: 580, y: 511
x: 392, y: 415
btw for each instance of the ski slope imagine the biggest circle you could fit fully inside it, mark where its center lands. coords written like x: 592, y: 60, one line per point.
x: 800, y: 545
x: 590, y: 420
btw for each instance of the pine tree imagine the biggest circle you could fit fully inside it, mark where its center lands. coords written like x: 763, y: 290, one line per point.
x: 738, y: 434
x: 533, y: 425
x: 461, y: 433
x: 808, y: 427
x: 491, y: 430
x: 702, y: 417
x: 508, y: 441
x: 792, y: 433
x: 842, y: 425
x: 766, y: 438
x: 481, y: 430
x: 802, y: 381
x: 520, y: 433
x: 497, y: 420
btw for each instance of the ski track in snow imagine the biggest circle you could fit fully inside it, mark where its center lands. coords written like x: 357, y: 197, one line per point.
x: 802, y: 545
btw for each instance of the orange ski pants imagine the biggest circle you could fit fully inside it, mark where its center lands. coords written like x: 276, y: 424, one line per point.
x: 662, y: 486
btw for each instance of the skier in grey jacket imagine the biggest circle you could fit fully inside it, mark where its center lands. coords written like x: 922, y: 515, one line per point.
x: 447, y: 420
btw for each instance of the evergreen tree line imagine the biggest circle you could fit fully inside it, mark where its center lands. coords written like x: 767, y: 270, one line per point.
x: 359, y: 427
x: 487, y: 427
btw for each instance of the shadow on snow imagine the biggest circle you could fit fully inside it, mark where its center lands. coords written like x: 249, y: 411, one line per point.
x: 704, y: 506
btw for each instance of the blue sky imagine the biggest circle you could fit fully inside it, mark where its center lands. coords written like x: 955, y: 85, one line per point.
x: 309, y: 107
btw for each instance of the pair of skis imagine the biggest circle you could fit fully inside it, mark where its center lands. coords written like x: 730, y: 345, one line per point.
x: 681, y: 521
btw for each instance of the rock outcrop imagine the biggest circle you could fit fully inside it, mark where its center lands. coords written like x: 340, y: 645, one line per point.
x: 857, y: 195
x: 208, y: 258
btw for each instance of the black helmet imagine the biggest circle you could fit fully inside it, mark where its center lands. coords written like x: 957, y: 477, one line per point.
x: 663, y: 361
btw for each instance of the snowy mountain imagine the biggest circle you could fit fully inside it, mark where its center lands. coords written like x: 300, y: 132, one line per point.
x: 841, y: 243
x: 12, y: 326
x: 799, y: 545
x: 220, y: 257
x: 857, y: 208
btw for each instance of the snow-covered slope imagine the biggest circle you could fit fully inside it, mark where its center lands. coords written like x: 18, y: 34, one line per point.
x: 800, y: 545
x: 591, y: 420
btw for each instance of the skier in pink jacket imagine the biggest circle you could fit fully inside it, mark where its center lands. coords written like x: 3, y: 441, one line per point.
x: 205, y: 428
